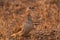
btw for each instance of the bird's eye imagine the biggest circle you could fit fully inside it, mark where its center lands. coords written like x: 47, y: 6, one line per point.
x: 31, y: 8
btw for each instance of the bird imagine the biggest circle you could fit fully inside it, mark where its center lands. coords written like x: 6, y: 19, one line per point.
x: 26, y: 28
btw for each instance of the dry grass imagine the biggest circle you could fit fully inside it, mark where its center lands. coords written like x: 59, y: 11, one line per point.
x: 45, y: 16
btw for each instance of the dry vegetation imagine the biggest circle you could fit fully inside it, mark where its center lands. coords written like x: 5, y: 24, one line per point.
x: 45, y: 15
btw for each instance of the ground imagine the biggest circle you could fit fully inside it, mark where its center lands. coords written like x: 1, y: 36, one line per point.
x: 45, y: 16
